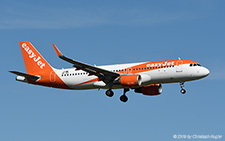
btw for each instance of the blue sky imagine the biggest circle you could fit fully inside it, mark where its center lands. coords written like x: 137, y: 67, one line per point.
x: 105, y: 32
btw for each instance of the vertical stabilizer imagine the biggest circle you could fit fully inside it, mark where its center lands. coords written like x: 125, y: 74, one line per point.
x: 34, y: 62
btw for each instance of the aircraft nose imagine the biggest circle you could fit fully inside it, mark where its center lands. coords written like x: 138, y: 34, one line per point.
x: 205, y: 72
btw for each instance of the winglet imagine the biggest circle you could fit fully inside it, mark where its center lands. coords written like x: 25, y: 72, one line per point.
x: 57, y: 51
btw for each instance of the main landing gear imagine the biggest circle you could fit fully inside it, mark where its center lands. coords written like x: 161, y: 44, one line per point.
x: 123, y: 97
x: 183, y: 91
x: 109, y: 93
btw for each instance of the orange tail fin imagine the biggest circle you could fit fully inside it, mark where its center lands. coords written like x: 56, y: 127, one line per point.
x: 34, y: 62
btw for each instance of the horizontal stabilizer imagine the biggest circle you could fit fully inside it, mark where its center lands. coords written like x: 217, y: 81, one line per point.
x: 28, y: 76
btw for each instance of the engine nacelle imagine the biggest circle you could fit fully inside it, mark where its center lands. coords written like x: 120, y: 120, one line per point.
x: 150, y: 90
x: 130, y: 80
x: 145, y: 78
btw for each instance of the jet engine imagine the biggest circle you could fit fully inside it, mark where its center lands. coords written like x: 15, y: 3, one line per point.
x: 130, y: 80
x: 150, y: 90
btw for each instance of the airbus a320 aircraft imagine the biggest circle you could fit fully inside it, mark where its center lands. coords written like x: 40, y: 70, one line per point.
x: 145, y: 77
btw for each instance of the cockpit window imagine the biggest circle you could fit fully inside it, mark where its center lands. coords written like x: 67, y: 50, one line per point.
x: 194, y: 64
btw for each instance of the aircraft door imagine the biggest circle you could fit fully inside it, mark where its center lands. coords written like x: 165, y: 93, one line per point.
x: 179, y: 64
x: 52, y: 77
x: 129, y: 70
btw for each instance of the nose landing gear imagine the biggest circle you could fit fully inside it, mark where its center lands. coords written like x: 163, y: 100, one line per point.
x: 183, y: 91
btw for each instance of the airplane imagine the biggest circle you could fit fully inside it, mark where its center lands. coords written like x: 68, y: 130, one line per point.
x: 145, y: 77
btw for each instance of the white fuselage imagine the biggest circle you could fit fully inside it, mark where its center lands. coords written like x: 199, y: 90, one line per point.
x: 78, y: 79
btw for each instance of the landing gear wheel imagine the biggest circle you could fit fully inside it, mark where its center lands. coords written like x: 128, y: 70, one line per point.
x: 183, y: 91
x: 123, y: 98
x: 109, y: 93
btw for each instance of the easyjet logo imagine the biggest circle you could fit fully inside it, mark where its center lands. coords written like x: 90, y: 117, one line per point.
x: 160, y: 64
x: 33, y: 56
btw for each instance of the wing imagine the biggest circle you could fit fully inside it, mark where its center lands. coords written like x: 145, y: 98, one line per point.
x: 104, y: 75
